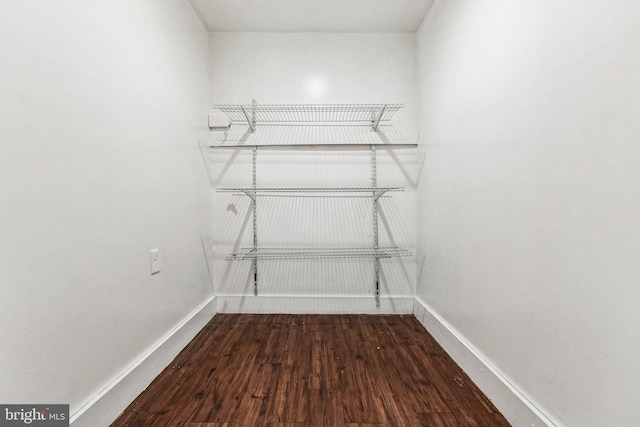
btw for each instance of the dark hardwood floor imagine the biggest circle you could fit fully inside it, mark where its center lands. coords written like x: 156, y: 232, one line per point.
x: 312, y: 370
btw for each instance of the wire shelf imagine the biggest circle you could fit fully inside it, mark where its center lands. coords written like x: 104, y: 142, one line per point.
x: 310, y: 190
x: 309, y: 113
x: 316, y: 253
x: 324, y: 135
x: 347, y: 146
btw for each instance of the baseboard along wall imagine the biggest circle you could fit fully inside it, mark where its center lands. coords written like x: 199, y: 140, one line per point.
x: 293, y: 304
x: 107, y: 405
x: 512, y: 403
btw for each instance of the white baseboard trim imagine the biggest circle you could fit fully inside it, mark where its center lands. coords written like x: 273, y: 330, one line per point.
x: 320, y: 304
x: 107, y: 405
x: 512, y: 403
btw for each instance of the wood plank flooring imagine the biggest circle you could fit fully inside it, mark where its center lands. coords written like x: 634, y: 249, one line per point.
x: 312, y: 370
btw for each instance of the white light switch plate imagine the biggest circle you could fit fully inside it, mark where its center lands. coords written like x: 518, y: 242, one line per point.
x: 155, y: 261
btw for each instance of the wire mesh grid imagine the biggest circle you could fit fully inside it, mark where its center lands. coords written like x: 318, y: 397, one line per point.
x: 309, y: 190
x: 310, y: 113
x: 317, y: 253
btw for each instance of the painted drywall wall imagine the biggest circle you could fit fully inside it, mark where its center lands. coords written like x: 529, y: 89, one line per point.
x: 102, y: 105
x: 528, y: 203
x: 314, y: 68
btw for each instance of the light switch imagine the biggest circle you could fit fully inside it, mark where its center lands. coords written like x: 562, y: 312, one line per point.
x: 155, y: 261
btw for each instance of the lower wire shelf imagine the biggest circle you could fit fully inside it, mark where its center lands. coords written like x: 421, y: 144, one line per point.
x: 317, y: 253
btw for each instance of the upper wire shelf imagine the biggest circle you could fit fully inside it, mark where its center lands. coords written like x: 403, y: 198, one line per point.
x: 309, y: 113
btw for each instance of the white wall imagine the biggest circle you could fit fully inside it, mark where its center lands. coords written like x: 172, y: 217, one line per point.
x: 313, y: 68
x: 102, y: 105
x: 528, y: 203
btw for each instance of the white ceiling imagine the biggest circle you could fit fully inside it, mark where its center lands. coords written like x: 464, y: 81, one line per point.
x: 312, y: 15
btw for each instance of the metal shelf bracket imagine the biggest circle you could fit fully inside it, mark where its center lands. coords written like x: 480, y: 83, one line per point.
x: 250, y: 193
x: 378, y: 194
x: 252, y: 124
x: 376, y: 121
x: 250, y: 120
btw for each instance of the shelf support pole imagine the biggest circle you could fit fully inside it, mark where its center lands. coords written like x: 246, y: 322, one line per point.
x: 376, y: 120
x: 255, y: 222
x: 374, y: 179
x: 254, y: 105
